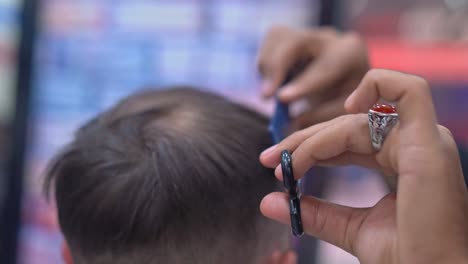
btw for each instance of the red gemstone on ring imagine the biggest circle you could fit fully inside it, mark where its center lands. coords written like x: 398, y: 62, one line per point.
x: 384, y: 108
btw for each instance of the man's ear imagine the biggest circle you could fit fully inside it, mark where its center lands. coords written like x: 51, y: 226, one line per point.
x: 66, y: 254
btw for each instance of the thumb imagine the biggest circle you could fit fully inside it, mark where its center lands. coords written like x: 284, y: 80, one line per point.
x: 335, y: 224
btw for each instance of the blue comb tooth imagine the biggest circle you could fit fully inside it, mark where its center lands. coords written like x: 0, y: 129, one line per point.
x: 279, y: 122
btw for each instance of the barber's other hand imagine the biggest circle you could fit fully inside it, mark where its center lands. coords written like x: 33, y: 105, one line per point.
x: 334, y: 65
x: 426, y: 220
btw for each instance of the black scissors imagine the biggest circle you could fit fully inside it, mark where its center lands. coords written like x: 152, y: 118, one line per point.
x: 292, y: 188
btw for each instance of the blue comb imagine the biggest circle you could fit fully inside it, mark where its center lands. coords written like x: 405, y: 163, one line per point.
x: 280, y: 121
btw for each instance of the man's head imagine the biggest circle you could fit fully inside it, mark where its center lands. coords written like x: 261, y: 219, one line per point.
x: 167, y: 177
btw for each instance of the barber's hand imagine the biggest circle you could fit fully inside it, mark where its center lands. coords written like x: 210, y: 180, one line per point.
x: 426, y: 220
x: 335, y: 64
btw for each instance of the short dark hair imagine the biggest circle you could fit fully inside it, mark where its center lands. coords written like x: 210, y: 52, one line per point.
x: 165, y: 176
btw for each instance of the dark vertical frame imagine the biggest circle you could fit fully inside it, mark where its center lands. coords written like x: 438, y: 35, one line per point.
x: 330, y: 13
x: 11, y: 216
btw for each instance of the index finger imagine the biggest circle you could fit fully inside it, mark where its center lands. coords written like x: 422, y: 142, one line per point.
x: 341, y: 57
x: 285, y: 49
x: 280, y: 50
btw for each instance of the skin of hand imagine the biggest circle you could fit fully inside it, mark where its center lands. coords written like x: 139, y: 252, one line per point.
x: 332, y: 65
x: 286, y: 257
x: 425, y: 220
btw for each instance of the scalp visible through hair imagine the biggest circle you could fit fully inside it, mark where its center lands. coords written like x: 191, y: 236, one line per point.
x: 165, y: 177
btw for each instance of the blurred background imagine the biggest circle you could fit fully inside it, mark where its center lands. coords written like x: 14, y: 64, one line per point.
x: 63, y: 61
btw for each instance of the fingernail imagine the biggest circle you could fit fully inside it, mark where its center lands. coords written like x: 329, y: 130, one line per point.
x: 269, y: 150
x: 347, y: 106
x: 266, y: 87
x: 349, y: 103
x: 286, y: 92
x: 278, y: 172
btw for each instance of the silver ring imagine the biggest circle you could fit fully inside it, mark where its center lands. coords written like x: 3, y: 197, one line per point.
x: 382, y: 118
